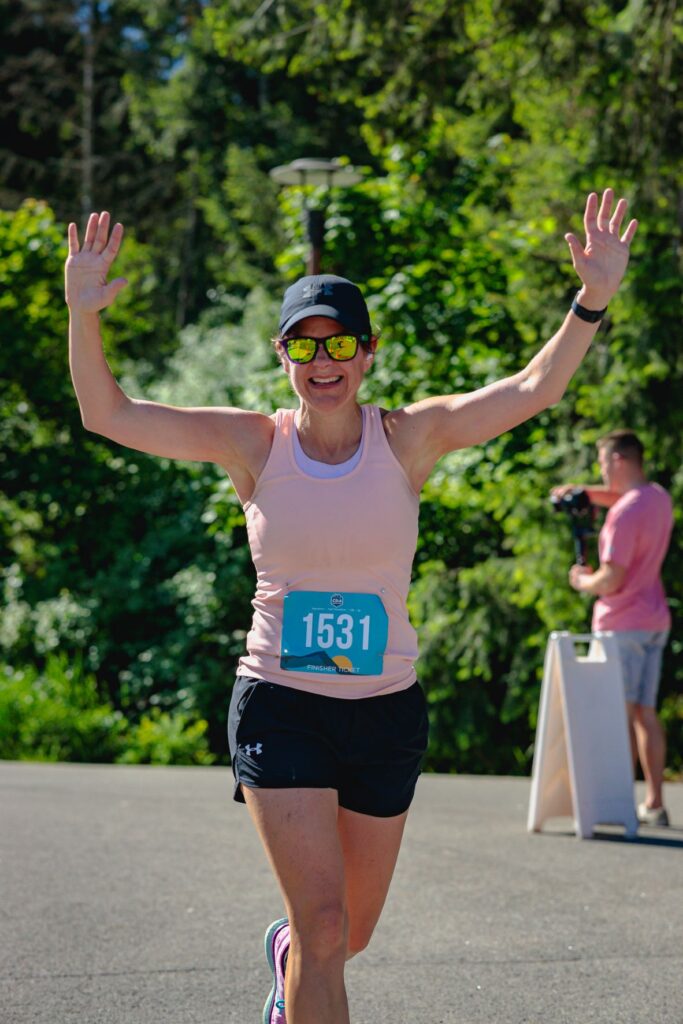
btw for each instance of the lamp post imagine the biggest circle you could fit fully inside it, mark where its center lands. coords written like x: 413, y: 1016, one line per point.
x: 309, y: 171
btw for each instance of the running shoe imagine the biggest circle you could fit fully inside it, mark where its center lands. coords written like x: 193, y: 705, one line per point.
x: 652, y: 815
x: 277, y: 948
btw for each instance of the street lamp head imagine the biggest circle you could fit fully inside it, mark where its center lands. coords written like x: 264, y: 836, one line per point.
x: 311, y: 171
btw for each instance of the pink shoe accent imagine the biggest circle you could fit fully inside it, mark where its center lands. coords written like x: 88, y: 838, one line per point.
x: 277, y: 948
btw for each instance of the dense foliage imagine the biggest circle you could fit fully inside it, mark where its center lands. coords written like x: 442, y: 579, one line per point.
x: 481, y: 125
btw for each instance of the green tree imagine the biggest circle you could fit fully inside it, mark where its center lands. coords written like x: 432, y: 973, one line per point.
x: 481, y: 126
x: 491, y: 122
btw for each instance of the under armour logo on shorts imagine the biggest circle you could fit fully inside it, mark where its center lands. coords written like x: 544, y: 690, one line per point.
x: 256, y: 749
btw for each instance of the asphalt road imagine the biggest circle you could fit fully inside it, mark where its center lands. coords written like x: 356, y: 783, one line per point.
x: 140, y: 896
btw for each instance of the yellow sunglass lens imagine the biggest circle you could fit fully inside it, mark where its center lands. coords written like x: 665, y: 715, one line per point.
x: 342, y: 347
x: 301, y: 349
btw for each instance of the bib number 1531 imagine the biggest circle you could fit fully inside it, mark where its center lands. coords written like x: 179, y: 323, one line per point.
x: 333, y: 632
x: 330, y: 630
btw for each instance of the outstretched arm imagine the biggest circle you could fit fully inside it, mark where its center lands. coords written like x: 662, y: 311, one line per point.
x: 236, y: 439
x: 598, y: 494
x: 438, y: 425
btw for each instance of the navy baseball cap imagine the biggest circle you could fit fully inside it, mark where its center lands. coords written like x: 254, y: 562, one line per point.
x: 326, y: 295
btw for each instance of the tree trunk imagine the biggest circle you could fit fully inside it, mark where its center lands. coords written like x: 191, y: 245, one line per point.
x: 87, y: 140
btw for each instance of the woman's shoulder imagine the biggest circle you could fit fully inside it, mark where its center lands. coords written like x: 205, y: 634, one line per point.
x: 399, y: 421
x: 391, y: 420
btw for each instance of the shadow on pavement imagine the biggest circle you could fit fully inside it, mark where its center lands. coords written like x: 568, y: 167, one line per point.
x: 672, y: 840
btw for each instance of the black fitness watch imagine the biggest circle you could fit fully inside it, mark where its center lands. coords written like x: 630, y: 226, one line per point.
x: 591, y: 316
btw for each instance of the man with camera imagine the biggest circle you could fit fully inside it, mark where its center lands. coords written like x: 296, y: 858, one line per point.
x: 630, y: 597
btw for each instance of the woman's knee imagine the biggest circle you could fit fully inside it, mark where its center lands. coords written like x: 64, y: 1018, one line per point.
x: 321, y: 932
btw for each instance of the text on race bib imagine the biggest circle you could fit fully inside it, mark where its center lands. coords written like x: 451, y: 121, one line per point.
x: 333, y: 632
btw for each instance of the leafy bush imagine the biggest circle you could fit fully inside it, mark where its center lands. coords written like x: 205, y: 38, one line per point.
x: 57, y: 714
x: 163, y: 738
x: 672, y: 720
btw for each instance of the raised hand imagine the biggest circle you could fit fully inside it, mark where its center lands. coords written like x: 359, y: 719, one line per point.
x: 85, y: 273
x: 602, y: 263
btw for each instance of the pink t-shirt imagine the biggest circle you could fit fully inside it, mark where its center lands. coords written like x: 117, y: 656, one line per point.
x: 635, y: 535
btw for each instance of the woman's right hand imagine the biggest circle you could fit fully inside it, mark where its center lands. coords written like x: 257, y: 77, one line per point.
x: 85, y: 273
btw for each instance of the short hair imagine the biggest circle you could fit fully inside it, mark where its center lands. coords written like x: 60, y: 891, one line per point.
x: 624, y: 443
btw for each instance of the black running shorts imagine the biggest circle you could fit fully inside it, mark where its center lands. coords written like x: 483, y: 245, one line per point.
x: 369, y: 749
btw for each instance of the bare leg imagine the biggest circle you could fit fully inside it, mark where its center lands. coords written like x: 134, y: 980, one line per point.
x: 631, y: 712
x: 652, y: 750
x: 370, y: 846
x: 298, y: 828
x: 334, y: 867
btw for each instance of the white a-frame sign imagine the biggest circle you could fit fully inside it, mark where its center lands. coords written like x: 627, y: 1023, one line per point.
x: 582, y: 758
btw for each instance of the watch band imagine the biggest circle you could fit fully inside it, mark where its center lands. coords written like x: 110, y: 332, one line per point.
x: 591, y: 316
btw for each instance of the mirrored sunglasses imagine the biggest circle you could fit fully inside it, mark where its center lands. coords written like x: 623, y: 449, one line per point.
x: 340, y: 347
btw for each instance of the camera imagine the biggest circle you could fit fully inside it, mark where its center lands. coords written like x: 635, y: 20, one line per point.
x: 578, y: 506
x: 575, y: 502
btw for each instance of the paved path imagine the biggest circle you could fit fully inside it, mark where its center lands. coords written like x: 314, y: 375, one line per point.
x: 140, y: 895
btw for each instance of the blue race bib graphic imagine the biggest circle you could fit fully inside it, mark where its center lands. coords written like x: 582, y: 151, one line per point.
x: 335, y: 632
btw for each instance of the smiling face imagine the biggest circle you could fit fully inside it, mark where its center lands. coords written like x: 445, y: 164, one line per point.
x: 324, y: 384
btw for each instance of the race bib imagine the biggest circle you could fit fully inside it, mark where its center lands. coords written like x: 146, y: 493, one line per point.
x: 333, y: 632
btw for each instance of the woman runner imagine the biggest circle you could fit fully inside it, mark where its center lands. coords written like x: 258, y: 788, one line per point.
x: 327, y: 723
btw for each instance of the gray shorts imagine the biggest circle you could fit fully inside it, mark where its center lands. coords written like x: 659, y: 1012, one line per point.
x: 641, y: 663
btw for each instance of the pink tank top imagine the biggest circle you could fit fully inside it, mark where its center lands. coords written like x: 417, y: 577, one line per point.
x: 350, y: 540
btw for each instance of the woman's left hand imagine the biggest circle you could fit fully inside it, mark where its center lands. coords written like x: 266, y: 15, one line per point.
x: 602, y: 263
